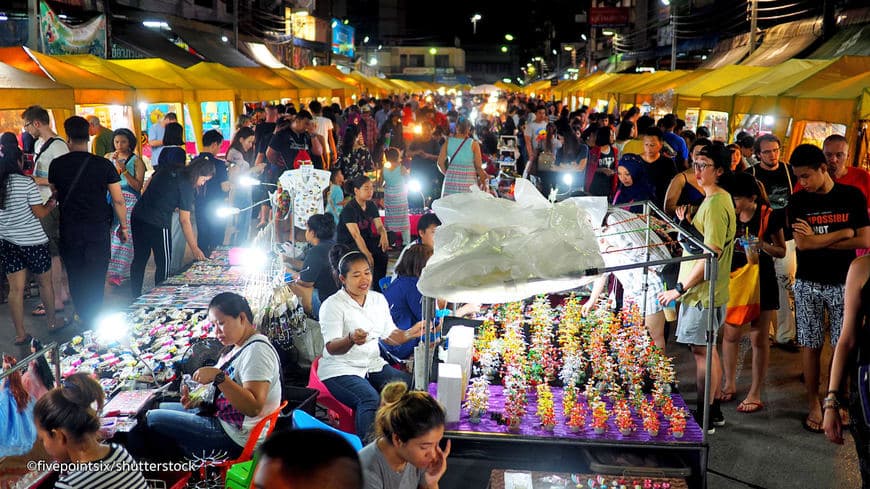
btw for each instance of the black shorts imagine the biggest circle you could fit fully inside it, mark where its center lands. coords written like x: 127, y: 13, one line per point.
x: 15, y: 258
x: 769, y: 288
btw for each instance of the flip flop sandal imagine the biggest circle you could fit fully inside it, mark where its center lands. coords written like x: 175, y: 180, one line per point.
x: 727, y: 397
x: 24, y: 341
x: 38, y: 310
x: 808, y: 425
x: 750, y: 407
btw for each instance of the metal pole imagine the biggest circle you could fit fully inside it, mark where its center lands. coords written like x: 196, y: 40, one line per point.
x: 236, y: 24
x: 107, y: 11
x: 673, y: 42
x: 753, y: 24
x: 711, y: 274
x: 428, y: 328
x: 33, y: 37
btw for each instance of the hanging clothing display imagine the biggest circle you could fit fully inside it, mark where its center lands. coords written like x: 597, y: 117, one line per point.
x: 305, y: 187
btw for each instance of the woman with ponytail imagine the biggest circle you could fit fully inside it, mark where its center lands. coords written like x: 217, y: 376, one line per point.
x: 67, y: 421
x: 406, y: 453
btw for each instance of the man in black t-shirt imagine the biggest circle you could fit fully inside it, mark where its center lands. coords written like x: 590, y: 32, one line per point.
x: 286, y: 146
x: 778, y: 179
x: 830, y: 222
x: 660, y: 169
x: 80, y: 181
x: 263, y: 133
x: 210, y: 227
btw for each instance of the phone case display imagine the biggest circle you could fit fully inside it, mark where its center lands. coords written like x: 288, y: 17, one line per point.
x: 183, y: 296
x: 595, y: 377
x: 207, y: 273
x: 513, y: 479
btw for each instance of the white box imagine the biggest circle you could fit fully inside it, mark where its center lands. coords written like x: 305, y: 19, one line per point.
x: 460, y: 348
x: 450, y: 390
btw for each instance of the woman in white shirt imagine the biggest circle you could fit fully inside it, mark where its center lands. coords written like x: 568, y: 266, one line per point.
x: 352, y: 321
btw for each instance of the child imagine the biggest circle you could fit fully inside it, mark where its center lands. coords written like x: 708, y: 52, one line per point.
x: 335, y: 199
x: 396, y: 195
x: 69, y: 426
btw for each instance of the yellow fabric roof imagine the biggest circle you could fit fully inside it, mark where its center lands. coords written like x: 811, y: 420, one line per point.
x: 383, y: 83
x: 248, y: 89
x: 200, y: 89
x: 366, y: 84
x: 778, y: 97
x: 20, y: 89
x: 269, y: 76
x: 665, y: 86
x: 688, y: 94
x: 845, y: 101
x: 308, y: 88
x: 604, y: 88
x: 590, y: 81
x: 148, y: 89
x: 723, y: 98
x: 339, y: 88
x: 783, y: 41
x: 657, y: 82
x: 88, y: 87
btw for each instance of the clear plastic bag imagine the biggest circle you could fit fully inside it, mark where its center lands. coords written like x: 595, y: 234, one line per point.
x: 492, y: 250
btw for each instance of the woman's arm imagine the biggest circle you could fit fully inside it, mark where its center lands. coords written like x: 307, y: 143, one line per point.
x: 401, y: 336
x: 442, y: 159
x: 249, y: 398
x: 482, y: 177
x: 42, y: 210
x: 859, y: 272
x: 353, y: 229
x: 137, y: 180
x: 187, y: 229
x: 673, y: 194
x: 383, y: 237
x: 776, y: 247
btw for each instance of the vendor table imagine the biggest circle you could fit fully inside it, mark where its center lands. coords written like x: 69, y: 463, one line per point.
x: 511, y: 479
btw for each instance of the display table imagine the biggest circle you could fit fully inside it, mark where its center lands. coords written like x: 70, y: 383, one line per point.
x: 511, y: 479
x: 531, y: 427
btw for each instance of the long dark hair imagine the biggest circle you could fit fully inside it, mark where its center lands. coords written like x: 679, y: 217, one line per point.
x: 350, y: 135
x: 232, y: 304
x: 7, y: 167
x: 173, y: 134
x: 244, y: 132
x: 200, y: 167
x: 341, y: 257
x: 407, y: 414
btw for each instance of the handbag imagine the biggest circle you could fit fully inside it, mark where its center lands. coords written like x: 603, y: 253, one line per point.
x: 744, y: 289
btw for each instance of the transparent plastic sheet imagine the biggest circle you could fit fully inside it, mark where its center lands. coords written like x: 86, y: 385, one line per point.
x: 492, y: 250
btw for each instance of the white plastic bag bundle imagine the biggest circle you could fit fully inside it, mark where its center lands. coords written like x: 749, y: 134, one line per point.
x: 492, y: 250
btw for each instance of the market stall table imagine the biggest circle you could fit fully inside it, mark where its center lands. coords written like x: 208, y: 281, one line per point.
x: 511, y: 479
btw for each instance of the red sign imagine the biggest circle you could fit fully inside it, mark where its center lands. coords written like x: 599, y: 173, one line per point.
x: 608, y: 16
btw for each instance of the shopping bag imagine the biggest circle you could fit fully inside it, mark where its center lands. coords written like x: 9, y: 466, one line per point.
x: 744, y: 302
x: 17, y: 431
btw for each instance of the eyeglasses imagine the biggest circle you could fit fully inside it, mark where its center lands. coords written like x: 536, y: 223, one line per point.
x: 28, y: 124
x: 701, y: 166
x: 770, y: 151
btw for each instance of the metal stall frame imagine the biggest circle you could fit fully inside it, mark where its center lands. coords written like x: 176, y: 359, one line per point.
x: 711, y: 270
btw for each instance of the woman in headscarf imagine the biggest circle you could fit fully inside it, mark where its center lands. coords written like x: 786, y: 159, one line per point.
x: 634, y: 185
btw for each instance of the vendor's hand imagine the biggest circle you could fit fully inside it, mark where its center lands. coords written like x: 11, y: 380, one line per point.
x: 668, y: 296
x: 384, y: 242
x: 682, y: 211
x: 438, y: 466
x: 833, y: 426
x: 185, y: 396
x: 415, y: 331
x: 802, y: 227
x: 198, y: 255
x: 205, y: 375
x: 587, y: 307
x: 359, y: 336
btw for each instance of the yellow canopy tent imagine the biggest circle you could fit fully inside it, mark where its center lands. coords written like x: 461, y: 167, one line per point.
x: 247, y: 89
x: 606, y: 90
x: 369, y: 85
x: 197, y: 90
x: 308, y: 89
x: 344, y: 91
x: 688, y: 95
x: 20, y: 89
x: 583, y: 90
x: 362, y: 83
x: 404, y: 85
x: 384, y: 83
x: 778, y: 96
x: 722, y: 100
x: 508, y: 87
x: 659, y: 94
x: 844, y: 102
x: 266, y: 75
x: 626, y: 97
x: 148, y: 89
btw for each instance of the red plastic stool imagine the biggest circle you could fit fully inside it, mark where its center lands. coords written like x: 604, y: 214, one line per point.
x: 324, y: 398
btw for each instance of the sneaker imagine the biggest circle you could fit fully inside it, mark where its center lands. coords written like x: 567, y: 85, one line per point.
x: 699, y: 418
x: 716, y: 416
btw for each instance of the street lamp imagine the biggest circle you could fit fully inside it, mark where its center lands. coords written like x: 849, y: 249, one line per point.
x: 474, y: 20
x: 508, y: 37
x: 433, y: 51
x: 504, y: 49
x: 366, y: 40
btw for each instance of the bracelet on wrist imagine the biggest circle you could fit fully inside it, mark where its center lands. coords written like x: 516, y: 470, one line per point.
x: 834, y: 392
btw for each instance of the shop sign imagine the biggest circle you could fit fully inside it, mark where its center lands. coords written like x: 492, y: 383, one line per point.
x: 418, y: 71
x: 342, y: 38
x: 608, y: 16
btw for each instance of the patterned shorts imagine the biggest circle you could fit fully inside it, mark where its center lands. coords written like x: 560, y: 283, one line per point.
x: 811, y: 301
x: 15, y: 258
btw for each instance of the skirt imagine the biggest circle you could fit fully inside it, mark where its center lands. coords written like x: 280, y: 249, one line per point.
x: 122, y: 253
x: 396, y: 203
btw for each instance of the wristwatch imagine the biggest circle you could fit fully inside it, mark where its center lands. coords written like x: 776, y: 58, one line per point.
x: 219, y: 379
x: 679, y: 288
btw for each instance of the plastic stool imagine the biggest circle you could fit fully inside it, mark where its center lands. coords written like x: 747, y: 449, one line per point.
x: 325, y: 398
x: 305, y: 421
x: 240, y: 475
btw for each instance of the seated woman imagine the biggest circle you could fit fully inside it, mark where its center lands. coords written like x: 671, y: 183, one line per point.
x: 406, y: 454
x: 69, y: 426
x: 406, y: 302
x: 247, y: 388
x: 314, y: 282
x: 352, y: 321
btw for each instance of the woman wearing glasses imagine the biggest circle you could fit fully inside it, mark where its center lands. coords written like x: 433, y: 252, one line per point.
x: 716, y: 223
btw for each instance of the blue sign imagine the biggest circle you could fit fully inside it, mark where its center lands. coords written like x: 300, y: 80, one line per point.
x: 342, y: 38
